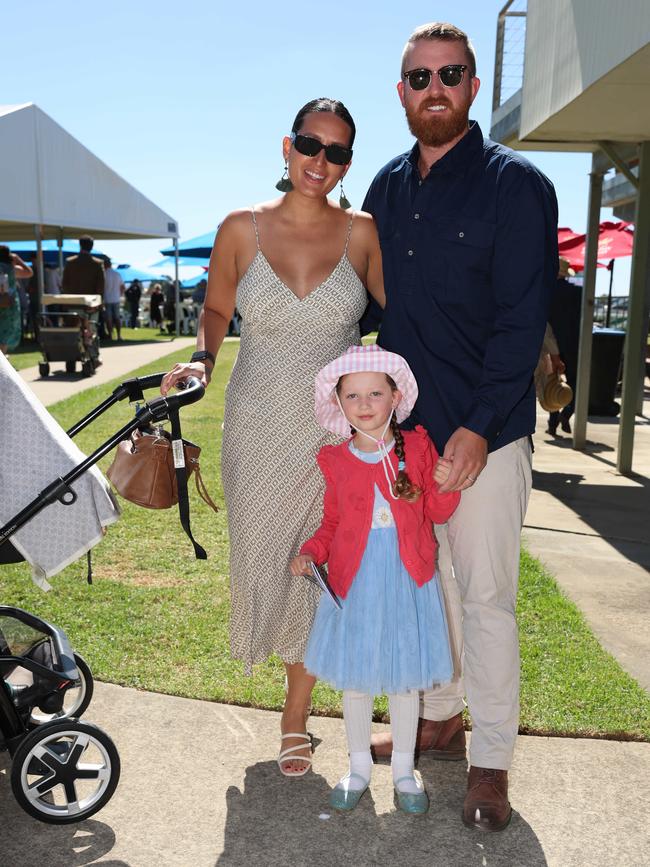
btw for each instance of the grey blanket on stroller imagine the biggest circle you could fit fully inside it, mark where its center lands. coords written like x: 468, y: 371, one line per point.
x: 34, y: 451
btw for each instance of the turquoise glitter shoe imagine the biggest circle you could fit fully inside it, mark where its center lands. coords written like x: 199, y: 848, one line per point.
x: 340, y: 799
x: 415, y: 804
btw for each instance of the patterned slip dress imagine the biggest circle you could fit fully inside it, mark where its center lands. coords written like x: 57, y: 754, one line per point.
x: 272, y: 485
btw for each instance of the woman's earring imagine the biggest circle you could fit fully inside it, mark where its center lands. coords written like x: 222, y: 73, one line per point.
x: 284, y: 184
x: 343, y: 199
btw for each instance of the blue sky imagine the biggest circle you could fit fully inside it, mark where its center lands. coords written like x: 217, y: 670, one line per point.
x: 189, y: 101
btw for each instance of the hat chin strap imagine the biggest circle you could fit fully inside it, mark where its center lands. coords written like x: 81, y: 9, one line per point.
x: 381, y: 448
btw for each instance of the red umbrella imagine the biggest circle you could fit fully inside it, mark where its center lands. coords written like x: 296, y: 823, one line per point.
x: 566, y: 234
x: 614, y: 241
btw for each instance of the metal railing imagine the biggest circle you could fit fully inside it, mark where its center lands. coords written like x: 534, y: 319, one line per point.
x: 510, y: 48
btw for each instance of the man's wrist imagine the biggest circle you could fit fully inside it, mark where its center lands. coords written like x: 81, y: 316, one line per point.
x: 203, y: 355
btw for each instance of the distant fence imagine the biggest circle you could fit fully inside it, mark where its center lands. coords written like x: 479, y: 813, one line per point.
x: 510, y: 48
x: 618, y: 312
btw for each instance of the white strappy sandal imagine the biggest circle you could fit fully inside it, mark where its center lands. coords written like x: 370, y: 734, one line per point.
x: 290, y: 754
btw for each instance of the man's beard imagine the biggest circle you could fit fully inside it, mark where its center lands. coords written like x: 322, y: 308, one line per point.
x: 434, y: 130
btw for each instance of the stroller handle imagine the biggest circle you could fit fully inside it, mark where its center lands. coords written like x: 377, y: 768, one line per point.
x: 190, y: 391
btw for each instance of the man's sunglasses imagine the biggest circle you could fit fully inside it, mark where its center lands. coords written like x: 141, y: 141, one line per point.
x: 450, y: 76
x: 310, y: 147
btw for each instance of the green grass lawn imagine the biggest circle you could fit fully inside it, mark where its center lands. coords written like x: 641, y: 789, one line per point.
x: 157, y: 619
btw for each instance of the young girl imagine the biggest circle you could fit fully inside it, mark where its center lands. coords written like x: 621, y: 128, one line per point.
x: 376, y: 536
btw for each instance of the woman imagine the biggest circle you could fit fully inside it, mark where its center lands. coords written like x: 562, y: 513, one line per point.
x: 156, y: 301
x: 297, y: 268
x: 11, y: 267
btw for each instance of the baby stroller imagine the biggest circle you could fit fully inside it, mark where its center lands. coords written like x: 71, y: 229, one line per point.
x: 67, y: 331
x: 63, y: 769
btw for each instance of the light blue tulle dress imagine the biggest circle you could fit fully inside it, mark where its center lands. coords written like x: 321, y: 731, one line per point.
x: 391, y: 635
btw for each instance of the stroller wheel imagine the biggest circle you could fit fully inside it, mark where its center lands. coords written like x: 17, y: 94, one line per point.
x: 43, y: 368
x: 88, y: 368
x: 76, y: 699
x: 70, y: 366
x: 65, y: 771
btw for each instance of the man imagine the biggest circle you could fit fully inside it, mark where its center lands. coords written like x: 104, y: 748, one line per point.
x: 113, y: 292
x: 83, y: 274
x: 469, y: 243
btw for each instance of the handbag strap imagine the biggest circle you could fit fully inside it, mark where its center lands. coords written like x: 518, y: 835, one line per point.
x: 202, y: 490
x: 178, y: 454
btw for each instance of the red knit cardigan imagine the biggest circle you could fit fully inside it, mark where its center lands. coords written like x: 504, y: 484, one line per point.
x: 347, y: 511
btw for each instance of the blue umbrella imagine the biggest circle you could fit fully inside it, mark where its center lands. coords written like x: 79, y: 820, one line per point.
x: 129, y: 274
x: 194, y: 281
x: 27, y: 250
x: 199, y: 247
x: 194, y: 261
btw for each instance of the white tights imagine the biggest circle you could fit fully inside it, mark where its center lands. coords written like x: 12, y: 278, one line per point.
x: 357, y: 714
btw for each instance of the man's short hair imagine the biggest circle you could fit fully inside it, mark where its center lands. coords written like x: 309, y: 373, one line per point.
x: 86, y: 243
x: 445, y: 32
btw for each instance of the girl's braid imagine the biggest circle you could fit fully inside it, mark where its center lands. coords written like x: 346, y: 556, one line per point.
x: 402, y: 486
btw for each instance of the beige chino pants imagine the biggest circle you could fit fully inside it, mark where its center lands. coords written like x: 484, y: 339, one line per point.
x: 481, y: 542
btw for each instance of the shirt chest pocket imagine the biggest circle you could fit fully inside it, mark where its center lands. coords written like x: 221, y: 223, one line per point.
x: 465, y: 247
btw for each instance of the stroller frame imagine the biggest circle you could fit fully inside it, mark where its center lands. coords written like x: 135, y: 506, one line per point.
x: 47, y: 751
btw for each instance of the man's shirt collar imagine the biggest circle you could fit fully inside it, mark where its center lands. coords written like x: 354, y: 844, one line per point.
x: 458, y: 158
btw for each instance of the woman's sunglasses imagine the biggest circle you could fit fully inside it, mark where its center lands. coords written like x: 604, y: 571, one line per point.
x: 450, y: 76
x: 310, y: 147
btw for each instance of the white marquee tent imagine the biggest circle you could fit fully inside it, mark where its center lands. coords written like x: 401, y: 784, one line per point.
x: 52, y: 187
x: 50, y: 180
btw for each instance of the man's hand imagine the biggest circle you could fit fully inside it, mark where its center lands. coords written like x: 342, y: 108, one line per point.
x: 300, y: 565
x: 467, y: 452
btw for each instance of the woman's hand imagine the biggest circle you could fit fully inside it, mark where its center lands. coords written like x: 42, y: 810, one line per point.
x: 180, y: 372
x: 300, y: 565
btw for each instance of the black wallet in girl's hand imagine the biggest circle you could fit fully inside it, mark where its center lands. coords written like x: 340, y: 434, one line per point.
x: 319, y: 578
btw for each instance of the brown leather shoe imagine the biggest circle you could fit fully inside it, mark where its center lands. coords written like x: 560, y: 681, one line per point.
x: 486, y: 802
x: 439, y: 739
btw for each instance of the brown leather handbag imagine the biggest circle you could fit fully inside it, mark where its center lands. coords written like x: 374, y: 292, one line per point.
x: 143, y: 469
x: 148, y: 469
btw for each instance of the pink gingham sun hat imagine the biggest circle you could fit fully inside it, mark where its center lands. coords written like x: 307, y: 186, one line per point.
x: 355, y: 360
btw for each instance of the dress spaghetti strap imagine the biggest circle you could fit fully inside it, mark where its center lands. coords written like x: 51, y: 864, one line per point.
x: 347, y: 240
x: 257, y: 234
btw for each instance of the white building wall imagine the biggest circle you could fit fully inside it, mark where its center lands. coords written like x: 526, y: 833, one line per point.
x: 571, y: 44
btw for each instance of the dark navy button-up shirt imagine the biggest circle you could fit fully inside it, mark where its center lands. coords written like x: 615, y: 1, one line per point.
x: 470, y: 255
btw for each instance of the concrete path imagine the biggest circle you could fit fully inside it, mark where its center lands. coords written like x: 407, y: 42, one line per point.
x: 200, y: 788
x: 591, y: 527
x: 119, y: 359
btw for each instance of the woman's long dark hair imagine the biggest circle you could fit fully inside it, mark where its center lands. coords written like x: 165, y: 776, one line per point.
x: 323, y: 103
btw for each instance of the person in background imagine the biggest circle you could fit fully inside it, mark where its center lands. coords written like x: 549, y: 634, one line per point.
x: 156, y: 301
x: 198, y: 296
x: 12, y: 268
x: 113, y: 292
x: 564, y: 317
x: 83, y: 274
x: 133, y: 295
x: 52, y: 280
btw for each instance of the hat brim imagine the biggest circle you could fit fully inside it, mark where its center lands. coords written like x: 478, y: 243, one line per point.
x: 360, y: 359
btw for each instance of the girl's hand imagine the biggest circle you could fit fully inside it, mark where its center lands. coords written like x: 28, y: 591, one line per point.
x: 300, y: 565
x: 442, y: 470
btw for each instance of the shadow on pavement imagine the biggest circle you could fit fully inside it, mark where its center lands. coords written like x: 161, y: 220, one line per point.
x: 25, y: 842
x: 619, y: 514
x: 281, y: 822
